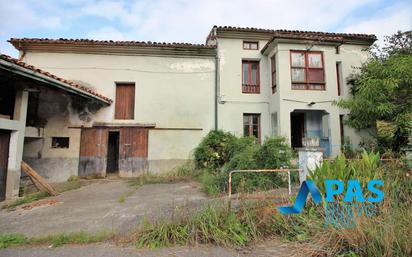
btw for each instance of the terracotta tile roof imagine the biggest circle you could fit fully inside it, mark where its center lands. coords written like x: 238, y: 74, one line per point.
x: 15, y: 42
x: 299, y: 34
x: 52, y: 76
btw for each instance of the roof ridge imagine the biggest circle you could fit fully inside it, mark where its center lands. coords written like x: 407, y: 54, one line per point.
x: 50, y: 75
x: 110, y: 42
x: 273, y: 31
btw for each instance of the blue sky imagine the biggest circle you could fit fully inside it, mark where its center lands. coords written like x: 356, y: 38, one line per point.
x: 191, y: 20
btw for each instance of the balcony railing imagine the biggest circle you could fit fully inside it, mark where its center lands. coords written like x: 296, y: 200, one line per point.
x: 250, y: 89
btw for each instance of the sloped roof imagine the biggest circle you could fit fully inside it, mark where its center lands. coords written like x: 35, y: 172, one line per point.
x: 15, y: 42
x: 66, y: 84
x: 299, y: 34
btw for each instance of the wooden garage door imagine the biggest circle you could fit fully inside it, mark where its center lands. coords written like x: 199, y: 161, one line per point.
x: 93, y: 152
x: 4, y: 157
x: 133, y: 151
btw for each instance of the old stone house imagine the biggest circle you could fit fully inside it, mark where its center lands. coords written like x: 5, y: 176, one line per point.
x: 149, y: 104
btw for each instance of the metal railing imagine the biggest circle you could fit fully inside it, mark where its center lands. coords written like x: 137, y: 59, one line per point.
x: 281, y: 170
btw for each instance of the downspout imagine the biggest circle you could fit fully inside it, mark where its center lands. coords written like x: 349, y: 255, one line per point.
x: 217, y: 81
x: 216, y: 90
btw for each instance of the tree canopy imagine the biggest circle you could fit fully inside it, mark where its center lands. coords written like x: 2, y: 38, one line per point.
x: 382, y: 91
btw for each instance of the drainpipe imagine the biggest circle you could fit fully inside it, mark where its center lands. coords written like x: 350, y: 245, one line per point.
x: 217, y: 93
x: 217, y: 82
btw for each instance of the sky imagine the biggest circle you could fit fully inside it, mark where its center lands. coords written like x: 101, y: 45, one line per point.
x: 191, y: 20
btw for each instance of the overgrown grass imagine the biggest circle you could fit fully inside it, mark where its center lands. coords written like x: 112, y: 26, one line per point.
x: 72, y: 183
x: 26, y: 200
x: 185, y: 172
x: 386, y: 234
x: 55, y: 240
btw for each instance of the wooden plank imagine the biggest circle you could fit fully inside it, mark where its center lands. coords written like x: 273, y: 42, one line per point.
x: 38, y: 179
x: 125, y: 98
x: 4, y: 157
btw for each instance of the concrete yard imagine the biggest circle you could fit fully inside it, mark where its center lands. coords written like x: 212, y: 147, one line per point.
x: 98, y: 207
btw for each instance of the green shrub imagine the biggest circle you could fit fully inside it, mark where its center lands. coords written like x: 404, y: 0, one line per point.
x: 247, y: 154
x: 214, y: 150
x: 274, y: 154
x: 365, y: 169
x: 11, y: 240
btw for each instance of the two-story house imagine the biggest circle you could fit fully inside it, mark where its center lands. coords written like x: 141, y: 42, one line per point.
x: 166, y: 96
x: 280, y: 82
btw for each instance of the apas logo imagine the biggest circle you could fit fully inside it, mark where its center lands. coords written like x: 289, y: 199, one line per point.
x: 339, y: 213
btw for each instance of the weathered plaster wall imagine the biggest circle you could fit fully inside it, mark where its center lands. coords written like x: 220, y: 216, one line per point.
x: 55, y: 164
x: 351, y: 57
x: 172, y: 92
x: 234, y: 103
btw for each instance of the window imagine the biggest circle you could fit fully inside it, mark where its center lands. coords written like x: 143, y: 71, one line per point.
x: 251, y: 125
x: 60, y: 142
x: 124, y: 106
x: 273, y: 68
x: 342, y: 131
x: 250, y: 77
x: 250, y: 45
x: 307, y: 70
x: 338, y: 76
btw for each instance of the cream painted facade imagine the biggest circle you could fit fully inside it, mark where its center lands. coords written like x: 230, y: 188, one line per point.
x: 321, y: 118
x: 174, y: 93
x: 182, y: 93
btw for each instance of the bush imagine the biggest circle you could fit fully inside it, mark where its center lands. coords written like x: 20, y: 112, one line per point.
x: 246, y: 153
x: 214, y: 150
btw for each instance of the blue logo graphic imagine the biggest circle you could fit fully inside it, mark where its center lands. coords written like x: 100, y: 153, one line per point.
x: 339, y: 214
x: 308, y: 186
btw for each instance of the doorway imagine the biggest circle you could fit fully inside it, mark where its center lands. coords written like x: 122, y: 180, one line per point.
x: 113, y: 152
x: 297, y: 126
x: 4, y: 157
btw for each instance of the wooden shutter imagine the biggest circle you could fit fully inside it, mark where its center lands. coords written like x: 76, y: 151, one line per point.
x: 4, y: 157
x: 124, y: 106
x: 133, y: 151
x: 93, y: 152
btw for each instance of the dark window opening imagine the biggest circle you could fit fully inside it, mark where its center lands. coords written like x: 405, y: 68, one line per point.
x: 250, y: 45
x: 307, y: 70
x: 342, y: 132
x: 338, y: 77
x: 250, y: 77
x: 60, y: 142
x: 7, y: 99
x: 113, y: 152
x: 251, y: 125
x: 32, y: 118
x: 273, y: 68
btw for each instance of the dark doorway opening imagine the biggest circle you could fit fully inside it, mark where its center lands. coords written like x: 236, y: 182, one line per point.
x: 113, y: 152
x: 297, y: 127
x: 4, y: 157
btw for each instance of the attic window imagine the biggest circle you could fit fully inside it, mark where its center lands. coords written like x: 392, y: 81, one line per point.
x: 250, y: 45
x: 60, y: 142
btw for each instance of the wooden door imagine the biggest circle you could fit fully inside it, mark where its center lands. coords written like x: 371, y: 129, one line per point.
x: 93, y: 152
x: 133, y: 151
x: 124, y: 105
x: 4, y: 158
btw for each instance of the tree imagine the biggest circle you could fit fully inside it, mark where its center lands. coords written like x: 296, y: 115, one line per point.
x: 382, y: 92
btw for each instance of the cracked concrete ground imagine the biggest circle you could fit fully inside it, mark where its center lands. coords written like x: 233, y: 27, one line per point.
x: 96, y: 207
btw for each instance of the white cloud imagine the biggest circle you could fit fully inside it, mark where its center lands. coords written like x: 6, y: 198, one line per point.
x: 386, y: 22
x: 107, y: 33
